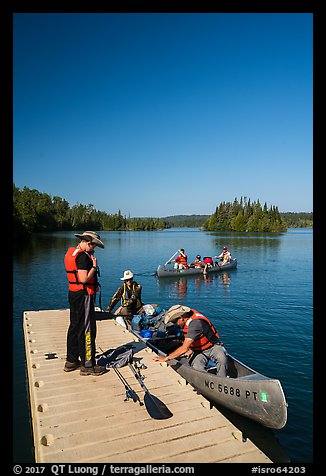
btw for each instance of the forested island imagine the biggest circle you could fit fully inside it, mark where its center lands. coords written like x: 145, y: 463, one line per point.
x: 35, y: 211
x: 292, y: 219
x: 245, y: 215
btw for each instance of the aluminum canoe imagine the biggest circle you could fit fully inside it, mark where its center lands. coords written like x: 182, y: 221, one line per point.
x: 164, y: 271
x: 244, y: 391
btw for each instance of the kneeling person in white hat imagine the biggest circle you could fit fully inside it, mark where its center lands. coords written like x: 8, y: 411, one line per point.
x: 201, y: 339
x: 130, y: 294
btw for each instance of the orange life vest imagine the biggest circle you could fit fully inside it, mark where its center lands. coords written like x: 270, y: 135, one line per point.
x: 72, y: 273
x: 182, y: 260
x: 202, y: 342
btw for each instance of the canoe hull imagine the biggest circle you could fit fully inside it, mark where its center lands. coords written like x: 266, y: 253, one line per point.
x: 165, y: 272
x: 256, y: 397
x: 244, y: 391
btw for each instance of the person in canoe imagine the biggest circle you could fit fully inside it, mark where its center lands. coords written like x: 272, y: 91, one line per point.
x: 198, y: 262
x: 130, y: 294
x: 201, y: 340
x: 181, y: 260
x: 208, y: 263
x: 225, y: 256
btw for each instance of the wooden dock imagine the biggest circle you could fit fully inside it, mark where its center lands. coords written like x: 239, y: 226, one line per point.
x: 77, y: 419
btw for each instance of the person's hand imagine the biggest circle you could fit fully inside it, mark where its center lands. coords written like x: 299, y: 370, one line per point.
x: 160, y: 358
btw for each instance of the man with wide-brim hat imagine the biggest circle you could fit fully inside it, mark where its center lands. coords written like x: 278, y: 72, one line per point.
x: 82, y: 274
x: 201, y: 340
x: 130, y: 295
x: 90, y: 236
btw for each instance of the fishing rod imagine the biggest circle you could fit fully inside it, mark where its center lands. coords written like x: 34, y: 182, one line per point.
x: 130, y: 393
x: 138, y: 367
x: 155, y: 407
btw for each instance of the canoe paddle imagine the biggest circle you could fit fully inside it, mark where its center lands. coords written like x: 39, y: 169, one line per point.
x: 155, y: 407
x: 168, y: 261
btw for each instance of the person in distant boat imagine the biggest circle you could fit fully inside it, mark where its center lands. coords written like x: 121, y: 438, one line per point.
x: 198, y: 262
x: 81, y: 268
x: 181, y: 260
x: 208, y: 263
x: 201, y: 340
x: 130, y: 295
x: 225, y: 256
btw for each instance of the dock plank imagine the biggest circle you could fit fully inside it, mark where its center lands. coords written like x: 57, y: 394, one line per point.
x: 86, y: 419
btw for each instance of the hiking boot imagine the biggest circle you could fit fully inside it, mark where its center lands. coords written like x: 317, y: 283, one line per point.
x: 95, y: 370
x: 70, y: 366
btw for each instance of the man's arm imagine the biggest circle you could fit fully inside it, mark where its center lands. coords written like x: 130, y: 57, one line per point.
x: 185, y: 347
x: 115, y: 299
x: 82, y: 268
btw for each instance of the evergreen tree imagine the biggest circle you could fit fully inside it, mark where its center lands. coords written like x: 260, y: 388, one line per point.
x: 238, y: 223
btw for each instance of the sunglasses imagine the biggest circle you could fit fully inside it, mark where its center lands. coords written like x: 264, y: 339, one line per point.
x: 92, y: 244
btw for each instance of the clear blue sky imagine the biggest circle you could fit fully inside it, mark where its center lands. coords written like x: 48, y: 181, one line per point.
x: 164, y: 114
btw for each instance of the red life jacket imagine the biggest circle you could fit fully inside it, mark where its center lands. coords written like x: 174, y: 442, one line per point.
x: 72, y: 273
x: 208, y: 260
x: 202, y: 342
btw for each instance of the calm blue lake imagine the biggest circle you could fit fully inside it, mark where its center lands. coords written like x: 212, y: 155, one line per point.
x: 263, y: 310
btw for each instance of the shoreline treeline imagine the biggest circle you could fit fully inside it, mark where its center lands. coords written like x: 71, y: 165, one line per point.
x: 298, y: 219
x: 35, y: 211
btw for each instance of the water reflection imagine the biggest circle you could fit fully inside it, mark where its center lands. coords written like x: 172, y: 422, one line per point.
x: 184, y: 287
x: 223, y: 277
x: 226, y: 278
x: 238, y: 243
x: 181, y: 287
x: 41, y: 244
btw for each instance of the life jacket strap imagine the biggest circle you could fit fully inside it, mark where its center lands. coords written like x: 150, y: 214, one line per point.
x: 74, y: 272
x: 100, y: 295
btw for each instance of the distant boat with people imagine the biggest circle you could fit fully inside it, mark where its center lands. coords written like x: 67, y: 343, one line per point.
x: 164, y: 271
